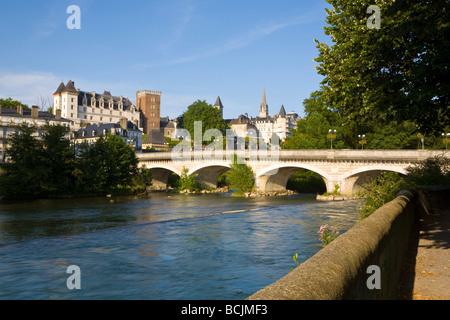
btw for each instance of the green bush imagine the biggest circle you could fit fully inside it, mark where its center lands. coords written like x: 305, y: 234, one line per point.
x: 380, y: 191
x: 188, y: 182
x: 431, y: 172
x: 240, y: 177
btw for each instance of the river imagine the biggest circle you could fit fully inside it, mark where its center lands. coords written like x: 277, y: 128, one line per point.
x: 160, y: 246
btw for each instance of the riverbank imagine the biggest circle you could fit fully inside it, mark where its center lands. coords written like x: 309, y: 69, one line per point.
x: 225, y: 190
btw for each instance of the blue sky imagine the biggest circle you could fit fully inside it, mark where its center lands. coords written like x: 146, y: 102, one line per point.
x: 188, y: 49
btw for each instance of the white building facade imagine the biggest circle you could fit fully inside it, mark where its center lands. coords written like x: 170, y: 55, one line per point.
x: 279, y: 124
x: 84, y: 107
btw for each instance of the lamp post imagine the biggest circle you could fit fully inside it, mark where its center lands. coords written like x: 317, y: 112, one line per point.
x: 331, y: 135
x: 362, y: 141
x: 422, y: 139
x: 446, y: 137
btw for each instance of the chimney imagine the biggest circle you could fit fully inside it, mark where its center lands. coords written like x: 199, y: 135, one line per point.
x: 124, y: 123
x: 35, y: 112
x: 20, y: 109
x: 58, y: 114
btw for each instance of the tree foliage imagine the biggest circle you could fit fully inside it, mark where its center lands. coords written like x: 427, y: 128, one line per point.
x: 240, y: 177
x: 380, y: 191
x: 51, y: 166
x: 12, y: 104
x: 399, y: 72
x: 22, y: 176
x: 188, y: 182
x: 209, y: 116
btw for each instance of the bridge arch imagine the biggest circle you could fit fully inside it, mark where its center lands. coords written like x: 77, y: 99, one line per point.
x: 355, y: 180
x: 160, y: 175
x: 208, y: 174
x: 275, y: 177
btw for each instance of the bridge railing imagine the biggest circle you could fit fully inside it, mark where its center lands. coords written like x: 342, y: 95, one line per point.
x: 343, y: 155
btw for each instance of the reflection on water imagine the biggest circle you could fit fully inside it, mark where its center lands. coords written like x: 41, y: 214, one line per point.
x: 159, y: 246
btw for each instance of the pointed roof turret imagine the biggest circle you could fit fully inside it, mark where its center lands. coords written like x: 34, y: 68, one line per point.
x: 218, y: 103
x: 70, y: 87
x: 60, y: 88
x: 282, y: 112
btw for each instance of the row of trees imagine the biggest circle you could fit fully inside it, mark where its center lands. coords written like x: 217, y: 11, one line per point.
x: 51, y: 166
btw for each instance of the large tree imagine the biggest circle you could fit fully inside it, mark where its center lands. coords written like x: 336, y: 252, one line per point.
x: 107, y: 164
x: 23, y: 175
x: 398, y: 72
x: 209, y: 117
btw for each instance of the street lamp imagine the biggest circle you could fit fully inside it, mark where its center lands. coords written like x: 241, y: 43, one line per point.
x: 331, y: 135
x: 446, y: 137
x: 362, y: 141
x: 422, y: 139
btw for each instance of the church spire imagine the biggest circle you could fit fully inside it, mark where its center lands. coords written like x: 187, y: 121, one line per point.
x: 264, y: 108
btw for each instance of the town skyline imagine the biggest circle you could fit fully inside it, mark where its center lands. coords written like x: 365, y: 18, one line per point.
x: 188, y: 50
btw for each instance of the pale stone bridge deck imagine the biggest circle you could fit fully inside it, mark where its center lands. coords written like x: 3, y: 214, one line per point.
x: 349, y: 169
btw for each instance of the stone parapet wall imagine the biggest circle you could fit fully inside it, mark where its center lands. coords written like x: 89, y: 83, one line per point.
x: 343, y: 269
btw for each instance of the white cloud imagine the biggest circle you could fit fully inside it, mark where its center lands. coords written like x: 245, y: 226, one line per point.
x: 28, y: 87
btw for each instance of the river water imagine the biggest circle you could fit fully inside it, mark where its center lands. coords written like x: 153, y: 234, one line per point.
x: 160, y: 246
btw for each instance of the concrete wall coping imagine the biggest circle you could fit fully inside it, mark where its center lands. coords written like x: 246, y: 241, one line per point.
x: 332, y: 273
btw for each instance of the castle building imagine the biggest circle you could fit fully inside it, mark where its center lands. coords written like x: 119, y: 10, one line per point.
x: 85, y: 108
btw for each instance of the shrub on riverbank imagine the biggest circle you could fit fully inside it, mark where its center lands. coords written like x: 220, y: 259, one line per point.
x: 240, y: 178
x: 379, y: 192
x: 430, y: 172
x: 188, y: 182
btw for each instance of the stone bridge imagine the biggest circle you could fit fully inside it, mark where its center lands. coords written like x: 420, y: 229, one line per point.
x: 350, y: 169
